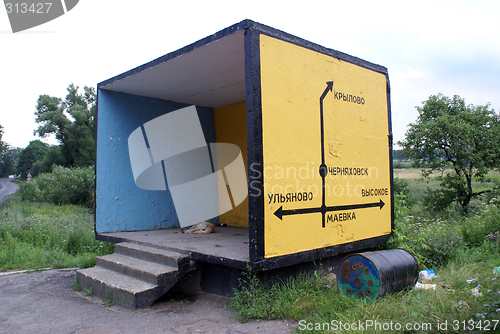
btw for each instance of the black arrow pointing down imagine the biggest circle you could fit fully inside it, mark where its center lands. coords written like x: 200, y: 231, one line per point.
x: 280, y: 212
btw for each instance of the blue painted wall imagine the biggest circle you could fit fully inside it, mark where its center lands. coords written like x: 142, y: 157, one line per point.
x: 120, y: 204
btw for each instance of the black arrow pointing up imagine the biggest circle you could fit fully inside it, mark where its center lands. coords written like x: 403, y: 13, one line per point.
x: 329, y: 88
x: 280, y: 212
x: 322, y: 167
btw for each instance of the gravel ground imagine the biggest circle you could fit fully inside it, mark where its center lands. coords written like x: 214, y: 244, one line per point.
x: 43, y: 302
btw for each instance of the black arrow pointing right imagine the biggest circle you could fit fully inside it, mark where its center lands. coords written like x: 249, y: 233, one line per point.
x: 280, y: 212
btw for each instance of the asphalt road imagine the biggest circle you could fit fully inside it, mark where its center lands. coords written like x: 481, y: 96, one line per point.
x: 43, y: 302
x: 7, y: 188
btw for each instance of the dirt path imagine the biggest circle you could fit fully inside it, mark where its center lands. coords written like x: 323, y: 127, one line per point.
x: 43, y: 302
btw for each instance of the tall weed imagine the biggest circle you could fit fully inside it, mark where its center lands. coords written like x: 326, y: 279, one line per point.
x: 39, y: 235
x: 476, y: 227
x: 296, y: 298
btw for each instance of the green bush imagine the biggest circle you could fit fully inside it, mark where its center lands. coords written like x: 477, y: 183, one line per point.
x: 435, y: 239
x: 63, y: 186
x: 476, y: 227
x: 396, y: 164
x: 493, y: 196
x: 433, y: 242
x: 437, y: 200
x: 441, y: 245
x: 401, y: 186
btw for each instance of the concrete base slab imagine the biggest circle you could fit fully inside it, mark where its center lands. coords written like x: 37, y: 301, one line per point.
x: 227, y: 244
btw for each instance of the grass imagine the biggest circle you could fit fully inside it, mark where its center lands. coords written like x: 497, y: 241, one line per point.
x: 313, y: 301
x: 40, y: 235
x: 415, y: 173
x: 75, y: 286
x: 107, y: 302
x: 457, y: 246
x: 418, y: 186
x: 88, y: 292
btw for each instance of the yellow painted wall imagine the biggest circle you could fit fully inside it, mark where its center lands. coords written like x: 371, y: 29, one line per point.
x: 230, y: 127
x: 356, y: 136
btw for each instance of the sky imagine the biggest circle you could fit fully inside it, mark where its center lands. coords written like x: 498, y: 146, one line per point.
x: 428, y: 47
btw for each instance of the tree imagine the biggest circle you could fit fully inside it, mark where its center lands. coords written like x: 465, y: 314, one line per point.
x: 3, y: 146
x: 7, y: 163
x: 73, y: 123
x: 52, y: 158
x: 449, y: 134
x: 35, y: 151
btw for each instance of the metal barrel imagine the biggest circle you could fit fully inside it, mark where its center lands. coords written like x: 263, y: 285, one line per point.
x: 373, y: 274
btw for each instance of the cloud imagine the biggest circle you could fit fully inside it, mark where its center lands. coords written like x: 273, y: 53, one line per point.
x: 410, y: 75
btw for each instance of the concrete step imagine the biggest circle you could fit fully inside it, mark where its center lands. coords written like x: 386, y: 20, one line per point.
x: 135, y: 275
x: 157, y: 255
x: 121, y: 289
x: 147, y: 271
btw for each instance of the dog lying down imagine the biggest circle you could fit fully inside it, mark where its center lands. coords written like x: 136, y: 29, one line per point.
x: 200, y: 228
